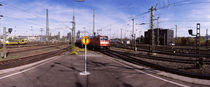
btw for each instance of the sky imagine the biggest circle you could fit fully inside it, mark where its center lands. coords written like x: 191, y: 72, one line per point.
x: 28, y: 17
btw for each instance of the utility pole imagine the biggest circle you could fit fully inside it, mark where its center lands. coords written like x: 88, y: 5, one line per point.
x: 73, y: 31
x: 176, y: 35
x: 47, y: 25
x: 133, y: 36
x: 73, y: 40
x: 158, y: 34
x: 15, y: 31
x: 41, y: 29
x: 158, y: 31
x: 121, y: 35
x: 133, y: 28
x: 41, y: 36
x: 139, y: 36
x: 4, y: 54
x: 4, y: 43
x: 32, y: 30
x: 151, y: 26
x: 207, y: 37
x: 93, y: 22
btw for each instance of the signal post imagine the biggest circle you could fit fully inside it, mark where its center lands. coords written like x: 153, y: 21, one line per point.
x: 85, y: 40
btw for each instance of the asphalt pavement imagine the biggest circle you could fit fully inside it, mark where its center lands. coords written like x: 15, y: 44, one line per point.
x: 104, y: 72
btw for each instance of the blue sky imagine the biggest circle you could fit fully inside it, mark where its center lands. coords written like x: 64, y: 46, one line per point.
x: 111, y: 15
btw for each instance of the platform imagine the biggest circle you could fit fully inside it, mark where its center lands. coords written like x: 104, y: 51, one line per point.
x: 104, y: 72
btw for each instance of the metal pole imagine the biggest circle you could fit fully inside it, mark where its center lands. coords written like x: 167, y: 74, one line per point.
x: 47, y: 25
x: 85, y: 63
x: 176, y: 35
x: 135, y: 48
x: 73, y: 31
x: 41, y: 29
x: 206, y: 37
x: 4, y: 43
x: 121, y: 35
x: 199, y: 59
x: 85, y: 58
x: 93, y: 22
x: 73, y: 28
x: 139, y: 36
x: 133, y: 28
x: 158, y: 31
x: 158, y: 40
x: 151, y: 26
x: 164, y: 39
x: 133, y: 37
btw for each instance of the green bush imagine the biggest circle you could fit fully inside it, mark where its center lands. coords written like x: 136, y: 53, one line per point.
x: 71, y: 48
x: 73, y: 53
x: 74, y: 50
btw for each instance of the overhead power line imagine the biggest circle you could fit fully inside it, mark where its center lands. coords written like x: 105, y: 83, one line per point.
x: 166, y: 6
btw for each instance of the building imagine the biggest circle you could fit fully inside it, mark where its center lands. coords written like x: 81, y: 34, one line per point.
x: 165, y: 36
x: 69, y: 36
x: 60, y: 35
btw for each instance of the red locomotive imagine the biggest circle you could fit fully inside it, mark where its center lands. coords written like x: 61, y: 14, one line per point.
x: 96, y: 42
x: 99, y: 42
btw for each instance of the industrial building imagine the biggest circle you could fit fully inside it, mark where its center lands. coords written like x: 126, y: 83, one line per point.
x: 165, y: 36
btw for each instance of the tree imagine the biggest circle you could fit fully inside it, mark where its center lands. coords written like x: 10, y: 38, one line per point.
x: 10, y: 39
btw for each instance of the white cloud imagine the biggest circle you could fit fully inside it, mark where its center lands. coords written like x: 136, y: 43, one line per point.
x: 23, y: 18
x: 33, y: 14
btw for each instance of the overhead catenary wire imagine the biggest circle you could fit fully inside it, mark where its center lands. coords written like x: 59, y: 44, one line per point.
x: 163, y: 7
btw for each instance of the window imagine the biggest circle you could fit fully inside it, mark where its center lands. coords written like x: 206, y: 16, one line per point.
x: 104, y: 38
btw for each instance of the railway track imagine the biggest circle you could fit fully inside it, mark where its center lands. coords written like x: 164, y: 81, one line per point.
x: 178, y: 60
x: 30, y: 59
x: 31, y: 45
x: 170, y: 50
x: 19, y: 51
x: 139, y: 61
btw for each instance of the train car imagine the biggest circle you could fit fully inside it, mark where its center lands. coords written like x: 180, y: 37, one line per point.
x: 96, y: 42
x: 22, y: 41
x: 99, y: 42
x: 18, y: 42
x: 79, y: 43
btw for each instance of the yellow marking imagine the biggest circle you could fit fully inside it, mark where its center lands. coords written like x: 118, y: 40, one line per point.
x: 85, y: 40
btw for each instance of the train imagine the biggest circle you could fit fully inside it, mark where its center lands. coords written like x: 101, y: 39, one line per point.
x: 96, y: 42
x: 17, y: 42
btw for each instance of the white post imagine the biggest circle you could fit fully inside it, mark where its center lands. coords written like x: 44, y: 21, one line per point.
x: 85, y: 72
x: 85, y: 58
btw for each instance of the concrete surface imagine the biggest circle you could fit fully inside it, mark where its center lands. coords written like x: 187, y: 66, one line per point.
x: 105, y: 72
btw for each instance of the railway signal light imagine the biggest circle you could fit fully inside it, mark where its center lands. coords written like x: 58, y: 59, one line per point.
x: 10, y: 30
x: 190, y: 32
x: 85, y: 40
x: 199, y: 60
